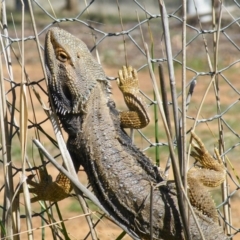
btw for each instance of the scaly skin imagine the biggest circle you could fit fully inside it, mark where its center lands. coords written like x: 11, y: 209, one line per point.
x: 120, y: 174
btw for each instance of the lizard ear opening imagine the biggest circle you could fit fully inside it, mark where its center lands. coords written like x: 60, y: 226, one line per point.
x: 67, y: 93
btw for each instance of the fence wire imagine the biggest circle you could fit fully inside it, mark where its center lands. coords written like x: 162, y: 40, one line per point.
x: 206, y: 83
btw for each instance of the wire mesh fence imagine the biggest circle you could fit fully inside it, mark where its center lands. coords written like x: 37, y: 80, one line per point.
x: 200, y: 64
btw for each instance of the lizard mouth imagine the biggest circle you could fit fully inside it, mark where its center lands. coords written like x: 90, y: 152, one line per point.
x: 64, y: 102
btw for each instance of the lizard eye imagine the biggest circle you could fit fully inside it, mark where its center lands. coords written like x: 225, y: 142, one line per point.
x: 62, y: 56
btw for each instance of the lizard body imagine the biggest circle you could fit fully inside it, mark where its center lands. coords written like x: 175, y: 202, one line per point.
x: 120, y: 174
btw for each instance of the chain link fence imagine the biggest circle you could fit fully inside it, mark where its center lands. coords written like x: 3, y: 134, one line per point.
x: 200, y: 64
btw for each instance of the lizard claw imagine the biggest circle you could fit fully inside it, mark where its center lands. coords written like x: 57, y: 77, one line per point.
x: 202, y: 155
x: 128, y: 79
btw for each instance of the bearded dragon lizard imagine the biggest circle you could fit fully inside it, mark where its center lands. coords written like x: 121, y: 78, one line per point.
x: 120, y: 174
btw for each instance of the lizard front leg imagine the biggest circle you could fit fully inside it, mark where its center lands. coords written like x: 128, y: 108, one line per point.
x: 137, y: 116
x: 212, y: 174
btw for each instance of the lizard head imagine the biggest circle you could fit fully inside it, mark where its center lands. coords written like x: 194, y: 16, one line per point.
x: 72, y: 71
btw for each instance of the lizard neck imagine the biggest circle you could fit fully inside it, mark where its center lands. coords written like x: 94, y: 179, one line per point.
x: 98, y: 113
x: 96, y: 110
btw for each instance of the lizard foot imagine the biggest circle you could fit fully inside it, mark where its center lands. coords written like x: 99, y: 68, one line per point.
x: 137, y: 116
x: 128, y: 80
x: 208, y: 162
x: 47, y: 190
x: 211, y: 174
